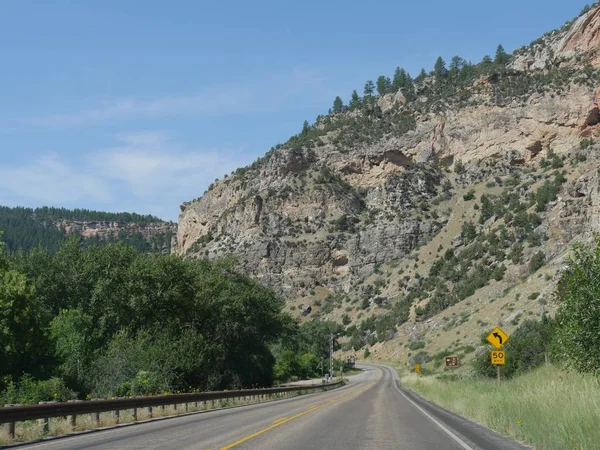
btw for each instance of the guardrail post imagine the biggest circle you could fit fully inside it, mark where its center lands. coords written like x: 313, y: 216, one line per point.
x: 115, y: 416
x: 9, y: 427
x: 149, y: 411
x: 95, y: 416
x: 44, y: 423
x: 72, y: 419
x: 185, y: 407
x: 133, y: 412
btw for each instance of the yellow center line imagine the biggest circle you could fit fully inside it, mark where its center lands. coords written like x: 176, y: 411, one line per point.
x: 283, y: 420
x: 279, y: 420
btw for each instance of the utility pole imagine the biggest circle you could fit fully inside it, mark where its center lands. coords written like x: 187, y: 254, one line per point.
x: 331, y: 358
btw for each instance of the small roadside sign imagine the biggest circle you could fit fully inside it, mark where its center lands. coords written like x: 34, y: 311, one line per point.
x: 452, y: 361
x: 417, y: 368
x: 498, y: 357
x: 497, y: 338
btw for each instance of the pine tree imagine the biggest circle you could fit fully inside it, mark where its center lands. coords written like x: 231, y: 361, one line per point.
x: 383, y: 85
x: 502, y: 57
x: 305, y: 127
x: 354, y: 100
x: 369, y: 88
x: 338, y: 104
x: 421, y: 77
x: 457, y: 64
x: 440, y: 68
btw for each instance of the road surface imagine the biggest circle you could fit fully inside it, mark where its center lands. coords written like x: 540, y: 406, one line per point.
x: 370, y: 413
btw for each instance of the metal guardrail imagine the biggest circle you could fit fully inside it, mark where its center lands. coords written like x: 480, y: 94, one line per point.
x: 11, y: 414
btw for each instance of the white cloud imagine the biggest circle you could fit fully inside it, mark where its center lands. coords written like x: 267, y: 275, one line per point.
x: 151, y: 164
x: 269, y: 94
x: 145, y: 172
x: 49, y: 180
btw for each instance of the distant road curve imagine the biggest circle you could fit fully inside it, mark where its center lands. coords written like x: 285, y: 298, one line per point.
x: 372, y: 413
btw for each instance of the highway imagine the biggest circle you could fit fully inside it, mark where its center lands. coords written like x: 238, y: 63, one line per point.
x: 370, y: 413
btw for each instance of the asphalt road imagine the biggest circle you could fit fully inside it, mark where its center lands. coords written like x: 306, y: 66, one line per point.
x: 370, y: 413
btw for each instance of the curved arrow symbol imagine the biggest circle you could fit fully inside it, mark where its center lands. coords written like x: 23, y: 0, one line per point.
x: 497, y: 336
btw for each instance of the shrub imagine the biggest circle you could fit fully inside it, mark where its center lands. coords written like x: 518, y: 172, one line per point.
x: 537, y: 261
x: 528, y: 348
x: 30, y: 391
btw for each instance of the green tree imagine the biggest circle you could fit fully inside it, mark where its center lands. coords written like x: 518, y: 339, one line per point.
x: 338, y: 104
x: 369, y: 89
x: 456, y: 65
x: 578, y: 317
x: 502, y: 58
x: 439, y: 68
x: 421, y: 77
x: 354, y: 100
x: 383, y: 85
x: 305, y: 127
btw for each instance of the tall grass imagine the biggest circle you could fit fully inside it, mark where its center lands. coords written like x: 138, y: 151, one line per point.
x: 547, y: 408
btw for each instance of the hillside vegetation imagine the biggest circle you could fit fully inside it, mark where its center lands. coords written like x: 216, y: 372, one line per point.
x: 26, y: 228
x: 106, y: 321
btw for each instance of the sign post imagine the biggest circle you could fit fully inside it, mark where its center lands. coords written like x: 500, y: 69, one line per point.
x: 498, y: 357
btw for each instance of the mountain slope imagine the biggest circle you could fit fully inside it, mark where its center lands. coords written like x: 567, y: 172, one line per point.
x: 456, y: 187
x: 26, y: 228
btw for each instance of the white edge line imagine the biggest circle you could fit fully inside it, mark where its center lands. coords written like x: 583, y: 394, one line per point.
x: 462, y: 443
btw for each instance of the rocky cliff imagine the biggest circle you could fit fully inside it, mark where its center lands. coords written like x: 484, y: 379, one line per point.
x: 494, y: 163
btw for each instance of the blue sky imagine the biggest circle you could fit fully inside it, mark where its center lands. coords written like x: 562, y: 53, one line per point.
x: 139, y: 105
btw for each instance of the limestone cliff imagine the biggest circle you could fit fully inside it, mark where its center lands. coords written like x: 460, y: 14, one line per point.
x: 358, y: 190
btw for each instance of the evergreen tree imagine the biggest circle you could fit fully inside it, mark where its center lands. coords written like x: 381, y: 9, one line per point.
x: 457, y: 64
x: 439, y: 69
x: 383, y: 85
x: 338, y: 104
x: 369, y: 88
x: 305, y: 127
x: 354, y: 100
x: 421, y: 77
x: 502, y: 57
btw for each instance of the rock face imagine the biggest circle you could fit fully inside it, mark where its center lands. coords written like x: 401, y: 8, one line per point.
x: 105, y: 230
x: 575, y: 44
x: 323, y: 214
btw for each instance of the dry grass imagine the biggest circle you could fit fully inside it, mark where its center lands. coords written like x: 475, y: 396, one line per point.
x: 547, y: 408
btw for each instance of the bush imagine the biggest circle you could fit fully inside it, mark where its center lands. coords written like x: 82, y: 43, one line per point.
x: 469, y: 195
x: 30, y: 391
x: 529, y: 347
x: 537, y: 261
x: 578, y: 293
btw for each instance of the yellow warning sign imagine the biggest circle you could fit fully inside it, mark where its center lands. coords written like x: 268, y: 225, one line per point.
x: 497, y: 338
x: 498, y: 357
x: 417, y: 368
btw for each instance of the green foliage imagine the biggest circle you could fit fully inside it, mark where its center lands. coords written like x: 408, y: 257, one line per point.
x: 469, y: 196
x: 26, y: 228
x: 585, y: 143
x: 502, y: 58
x: 548, y: 192
x: 384, y: 85
x: 338, y: 104
x: 529, y: 347
x: 439, y: 69
x: 459, y: 168
x: 100, y: 315
x: 536, y: 262
x: 369, y: 89
x: 578, y: 318
x: 30, y: 391
x: 355, y: 100
x: 468, y: 231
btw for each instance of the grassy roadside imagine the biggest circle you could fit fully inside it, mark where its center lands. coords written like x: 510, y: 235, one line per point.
x: 548, y: 408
